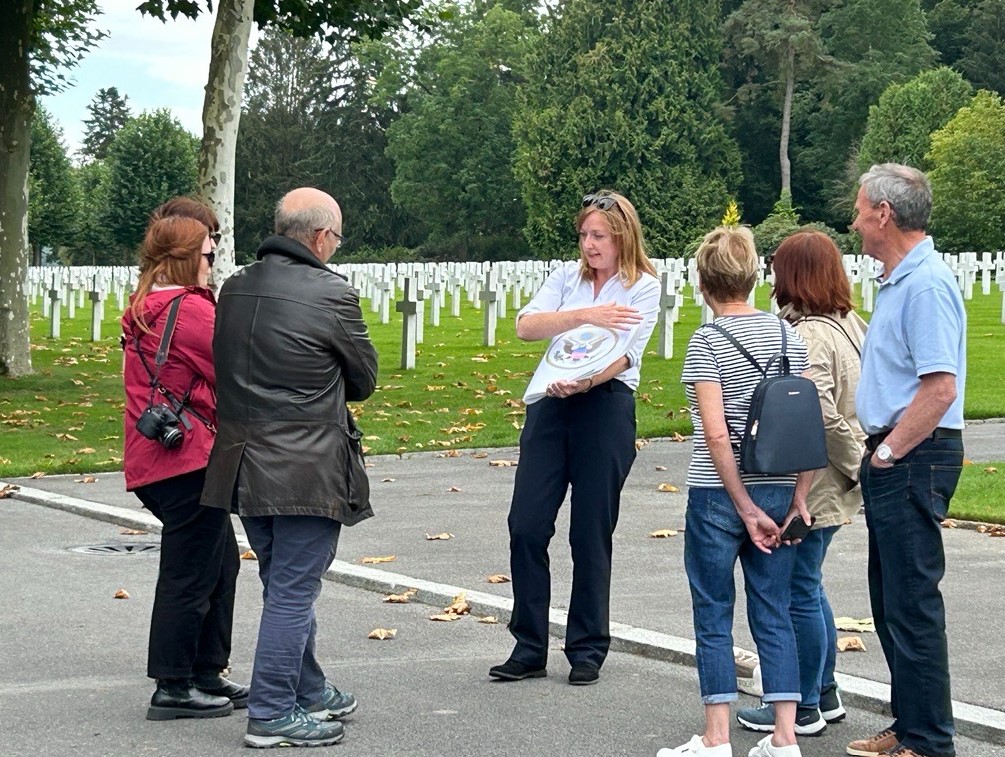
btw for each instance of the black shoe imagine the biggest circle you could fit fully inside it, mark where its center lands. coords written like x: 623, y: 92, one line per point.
x: 180, y: 699
x: 584, y: 674
x: 218, y: 686
x: 511, y: 670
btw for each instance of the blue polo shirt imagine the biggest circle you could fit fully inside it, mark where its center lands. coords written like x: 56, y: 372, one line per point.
x: 918, y: 326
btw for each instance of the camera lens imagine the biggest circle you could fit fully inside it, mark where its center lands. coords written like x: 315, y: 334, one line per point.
x: 171, y: 436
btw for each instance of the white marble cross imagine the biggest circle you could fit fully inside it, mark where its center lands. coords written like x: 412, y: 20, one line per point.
x: 408, y: 307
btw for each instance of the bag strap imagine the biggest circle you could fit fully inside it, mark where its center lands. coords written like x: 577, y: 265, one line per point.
x: 782, y: 357
x: 833, y: 323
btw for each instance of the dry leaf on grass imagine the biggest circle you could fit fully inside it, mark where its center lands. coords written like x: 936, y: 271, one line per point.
x: 498, y: 578
x: 439, y: 537
x: 121, y: 594
x: 667, y: 488
x: 249, y: 555
x: 850, y: 644
x: 489, y: 619
x: 382, y: 633
x: 87, y: 480
x: 377, y: 560
x: 85, y: 451
x: 132, y: 532
x: 8, y: 491
x: 445, y: 617
x: 502, y: 463
x: 663, y: 533
x: 67, y: 438
x: 865, y: 625
x: 401, y: 599
x: 991, y: 469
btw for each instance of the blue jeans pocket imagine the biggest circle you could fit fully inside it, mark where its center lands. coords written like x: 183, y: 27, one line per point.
x: 943, y: 484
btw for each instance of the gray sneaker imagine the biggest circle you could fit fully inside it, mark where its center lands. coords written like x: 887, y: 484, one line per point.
x: 333, y: 705
x: 296, y: 729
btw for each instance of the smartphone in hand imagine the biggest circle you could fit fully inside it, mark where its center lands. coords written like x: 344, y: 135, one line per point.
x: 797, y: 529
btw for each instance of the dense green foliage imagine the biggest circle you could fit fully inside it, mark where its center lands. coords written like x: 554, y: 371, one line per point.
x: 151, y: 160
x: 624, y: 96
x: 107, y: 112
x: 53, y: 194
x: 968, y: 163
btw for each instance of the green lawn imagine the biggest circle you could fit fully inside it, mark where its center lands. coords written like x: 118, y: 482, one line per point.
x: 67, y: 417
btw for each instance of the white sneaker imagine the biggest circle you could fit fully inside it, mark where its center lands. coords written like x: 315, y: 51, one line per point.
x: 765, y: 748
x: 696, y: 748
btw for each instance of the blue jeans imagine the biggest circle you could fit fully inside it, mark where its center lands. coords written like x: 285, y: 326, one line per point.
x: 904, y: 509
x: 812, y: 618
x: 294, y: 551
x: 713, y: 540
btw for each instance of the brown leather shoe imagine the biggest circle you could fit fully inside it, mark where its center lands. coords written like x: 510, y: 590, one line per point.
x: 874, y: 745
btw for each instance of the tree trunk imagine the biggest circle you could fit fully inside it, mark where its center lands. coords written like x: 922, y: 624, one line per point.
x: 221, y: 116
x: 17, y: 104
x: 783, y: 143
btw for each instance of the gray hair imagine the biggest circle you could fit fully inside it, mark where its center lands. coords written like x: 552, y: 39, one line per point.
x: 302, y: 224
x: 905, y: 189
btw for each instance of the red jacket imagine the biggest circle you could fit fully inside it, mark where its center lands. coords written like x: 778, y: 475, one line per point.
x: 189, y: 364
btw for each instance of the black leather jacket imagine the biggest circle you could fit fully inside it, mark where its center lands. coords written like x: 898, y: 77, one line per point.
x: 290, y: 348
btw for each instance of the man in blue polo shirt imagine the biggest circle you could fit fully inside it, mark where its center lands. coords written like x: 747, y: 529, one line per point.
x: 910, y: 403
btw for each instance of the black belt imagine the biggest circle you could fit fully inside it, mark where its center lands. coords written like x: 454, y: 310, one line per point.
x: 874, y: 440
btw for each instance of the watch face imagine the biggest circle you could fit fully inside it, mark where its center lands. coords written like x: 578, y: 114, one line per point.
x: 884, y: 453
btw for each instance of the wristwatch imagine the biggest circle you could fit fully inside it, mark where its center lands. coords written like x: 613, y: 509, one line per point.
x: 885, y: 454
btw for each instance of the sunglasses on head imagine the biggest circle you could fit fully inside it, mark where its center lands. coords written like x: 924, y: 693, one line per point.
x: 604, y: 202
x: 216, y: 236
x: 210, y: 258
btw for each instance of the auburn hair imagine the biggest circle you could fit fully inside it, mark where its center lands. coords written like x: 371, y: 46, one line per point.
x: 170, y: 255
x: 809, y: 275
x: 626, y: 229
x: 188, y: 207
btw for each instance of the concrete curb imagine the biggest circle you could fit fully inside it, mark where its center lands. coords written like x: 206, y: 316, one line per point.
x: 976, y: 722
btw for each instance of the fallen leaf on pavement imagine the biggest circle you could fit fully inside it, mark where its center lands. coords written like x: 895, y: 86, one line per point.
x: 489, y: 619
x: 439, y: 537
x: 8, y: 491
x: 445, y: 617
x: 37, y: 474
x: 850, y: 644
x: 479, y: 455
x: 663, y: 533
x: 949, y: 523
x: 667, y: 488
x: 498, y: 578
x: 132, y: 532
x: 377, y: 560
x: 661, y: 467
x: 386, y: 480
x: 249, y: 555
x: 865, y: 625
x: 502, y: 463
x: 454, y: 489
x: 87, y: 480
x: 401, y: 599
x: 382, y: 633
x: 640, y: 443
x: 459, y: 606
x: 121, y: 594
x: 678, y: 438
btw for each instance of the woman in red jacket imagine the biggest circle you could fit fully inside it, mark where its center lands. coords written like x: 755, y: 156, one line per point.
x: 169, y: 429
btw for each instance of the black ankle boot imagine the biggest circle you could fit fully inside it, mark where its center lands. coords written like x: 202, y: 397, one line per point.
x: 218, y: 686
x: 178, y: 698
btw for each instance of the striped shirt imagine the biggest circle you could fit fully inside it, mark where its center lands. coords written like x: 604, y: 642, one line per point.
x: 713, y: 358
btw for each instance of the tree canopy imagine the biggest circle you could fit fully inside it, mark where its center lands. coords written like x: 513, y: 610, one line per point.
x: 107, y: 112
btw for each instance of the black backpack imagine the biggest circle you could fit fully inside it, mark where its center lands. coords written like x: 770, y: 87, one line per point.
x: 785, y: 426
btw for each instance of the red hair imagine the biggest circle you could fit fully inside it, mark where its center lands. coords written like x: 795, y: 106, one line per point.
x: 171, y: 254
x: 809, y: 275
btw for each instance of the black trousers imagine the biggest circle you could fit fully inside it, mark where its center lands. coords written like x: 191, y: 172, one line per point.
x: 193, y: 613
x: 586, y: 441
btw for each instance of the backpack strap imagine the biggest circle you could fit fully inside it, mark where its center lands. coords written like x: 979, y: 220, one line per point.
x: 743, y: 350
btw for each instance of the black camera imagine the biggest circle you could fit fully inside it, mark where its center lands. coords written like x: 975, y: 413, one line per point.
x: 161, y: 424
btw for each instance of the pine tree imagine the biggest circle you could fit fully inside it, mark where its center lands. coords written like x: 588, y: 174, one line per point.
x: 109, y: 112
x: 625, y: 96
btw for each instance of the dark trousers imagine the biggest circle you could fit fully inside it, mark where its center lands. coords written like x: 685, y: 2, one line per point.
x: 193, y: 613
x: 904, y: 508
x: 586, y: 441
x: 294, y: 551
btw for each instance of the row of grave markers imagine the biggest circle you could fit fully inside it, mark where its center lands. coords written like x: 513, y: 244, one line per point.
x: 491, y: 287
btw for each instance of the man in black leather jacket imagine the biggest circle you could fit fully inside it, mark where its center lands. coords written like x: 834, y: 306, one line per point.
x: 290, y: 348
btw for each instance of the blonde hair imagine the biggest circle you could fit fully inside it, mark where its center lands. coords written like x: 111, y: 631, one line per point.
x: 171, y: 254
x: 727, y: 263
x: 626, y: 228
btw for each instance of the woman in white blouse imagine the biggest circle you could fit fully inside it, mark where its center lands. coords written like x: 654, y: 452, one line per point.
x: 580, y: 434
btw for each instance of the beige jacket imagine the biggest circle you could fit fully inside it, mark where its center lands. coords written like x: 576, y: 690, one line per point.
x: 834, y: 367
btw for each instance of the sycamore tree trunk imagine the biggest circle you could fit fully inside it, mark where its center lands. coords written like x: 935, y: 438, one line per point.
x: 783, y: 143
x: 221, y: 116
x: 17, y: 103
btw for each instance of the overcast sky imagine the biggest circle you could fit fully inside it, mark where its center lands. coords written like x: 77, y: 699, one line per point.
x: 155, y: 64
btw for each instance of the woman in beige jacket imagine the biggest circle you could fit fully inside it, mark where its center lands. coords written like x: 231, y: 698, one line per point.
x: 815, y: 297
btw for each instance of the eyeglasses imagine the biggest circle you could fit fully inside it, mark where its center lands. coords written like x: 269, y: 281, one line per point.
x: 216, y: 236
x: 604, y: 202
x: 210, y: 258
x: 337, y: 236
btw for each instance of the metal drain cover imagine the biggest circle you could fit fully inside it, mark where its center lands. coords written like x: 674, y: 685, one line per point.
x: 119, y: 548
